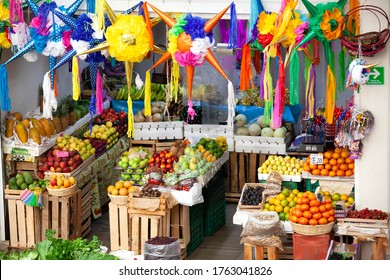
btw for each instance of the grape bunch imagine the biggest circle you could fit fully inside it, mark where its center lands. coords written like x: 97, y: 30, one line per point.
x: 252, y: 196
x: 198, y: 117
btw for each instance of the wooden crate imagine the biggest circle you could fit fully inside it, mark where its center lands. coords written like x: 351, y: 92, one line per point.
x: 86, y: 206
x: 242, y: 168
x: 158, y: 130
x: 148, y: 144
x: 180, y: 223
x: 163, y: 145
x: 119, y: 227
x: 63, y: 214
x: 23, y: 221
x: 363, y: 227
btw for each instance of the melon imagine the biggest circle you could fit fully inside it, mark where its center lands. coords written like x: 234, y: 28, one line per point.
x: 280, y: 132
x: 260, y: 121
x: 242, y: 131
x: 254, y: 129
x: 240, y: 120
x: 267, y: 132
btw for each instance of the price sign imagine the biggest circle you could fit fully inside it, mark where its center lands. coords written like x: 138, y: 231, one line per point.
x: 316, y: 159
x: 62, y: 154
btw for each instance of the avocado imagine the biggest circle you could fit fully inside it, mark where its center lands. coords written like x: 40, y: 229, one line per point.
x: 28, y: 179
x: 20, y: 181
x: 23, y: 186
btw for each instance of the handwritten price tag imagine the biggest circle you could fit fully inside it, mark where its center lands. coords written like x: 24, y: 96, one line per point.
x: 62, y: 154
x: 316, y: 159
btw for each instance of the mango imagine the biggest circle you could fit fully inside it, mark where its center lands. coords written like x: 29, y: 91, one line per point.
x: 17, y: 116
x: 9, y: 127
x: 38, y: 126
x: 35, y: 135
x: 21, y: 132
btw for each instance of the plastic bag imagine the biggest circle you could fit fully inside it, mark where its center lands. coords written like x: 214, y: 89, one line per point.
x: 269, y: 241
x: 263, y: 224
x: 162, y: 252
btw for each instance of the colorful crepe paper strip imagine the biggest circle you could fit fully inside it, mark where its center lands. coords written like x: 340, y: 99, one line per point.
x: 31, y: 198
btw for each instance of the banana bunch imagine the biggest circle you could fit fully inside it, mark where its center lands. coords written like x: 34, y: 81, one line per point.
x: 157, y: 92
x: 221, y: 141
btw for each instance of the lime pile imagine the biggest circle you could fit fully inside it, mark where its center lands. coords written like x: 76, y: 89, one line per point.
x: 281, y: 203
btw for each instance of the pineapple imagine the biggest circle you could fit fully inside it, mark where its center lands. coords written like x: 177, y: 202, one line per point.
x: 64, y: 114
x: 72, y: 113
x: 56, y: 120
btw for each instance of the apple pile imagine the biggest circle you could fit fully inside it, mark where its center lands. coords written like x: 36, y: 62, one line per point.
x: 59, y: 162
x: 118, y: 119
x: 163, y: 160
x: 103, y: 132
x: 133, y: 165
x: 71, y: 143
x: 192, y: 162
x: 60, y: 182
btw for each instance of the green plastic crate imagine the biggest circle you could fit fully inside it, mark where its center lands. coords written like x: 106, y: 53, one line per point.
x: 290, y: 185
x: 214, y: 217
x: 196, y: 227
x: 215, y: 189
x: 311, y: 186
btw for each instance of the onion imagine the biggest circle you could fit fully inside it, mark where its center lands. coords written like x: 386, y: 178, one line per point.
x: 139, y: 118
x: 155, y: 110
x: 157, y: 117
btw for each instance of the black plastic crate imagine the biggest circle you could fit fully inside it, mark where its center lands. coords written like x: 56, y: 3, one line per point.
x: 214, y: 217
x: 196, y: 228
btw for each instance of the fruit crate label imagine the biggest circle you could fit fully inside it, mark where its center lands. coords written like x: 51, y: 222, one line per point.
x: 316, y: 159
x: 62, y: 154
x: 20, y: 151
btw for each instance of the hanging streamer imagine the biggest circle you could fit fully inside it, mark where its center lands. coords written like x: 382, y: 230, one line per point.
x: 330, y: 95
x: 99, y: 11
x: 353, y: 23
x: 99, y: 93
x: 148, y: 109
x: 49, y: 99
x: 246, y: 79
x: 148, y: 25
x: 231, y: 104
x: 256, y: 9
x: 279, y: 95
x: 91, y: 6
x: 294, y: 78
x: 4, y: 97
x: 341, y: 77
x: 233, y: 36
x: 268, y: 96
x: 75, y: 78
x: 175, y: 76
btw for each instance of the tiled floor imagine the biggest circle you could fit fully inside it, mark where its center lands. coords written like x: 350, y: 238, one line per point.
x: 223, y: 245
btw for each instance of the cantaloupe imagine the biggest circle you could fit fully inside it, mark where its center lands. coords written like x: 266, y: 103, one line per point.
x: 240, y: 120
x: 267, y: 132
x: 260, y: 121
x: 280, y: 132
x: 254, y: 129
x: 242, y: 131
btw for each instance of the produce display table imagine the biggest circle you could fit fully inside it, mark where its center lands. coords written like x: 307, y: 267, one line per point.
x: 272, y: 252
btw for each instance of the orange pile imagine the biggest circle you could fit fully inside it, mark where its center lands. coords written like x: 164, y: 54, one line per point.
x: 336, y: 163
x: 309, y: 211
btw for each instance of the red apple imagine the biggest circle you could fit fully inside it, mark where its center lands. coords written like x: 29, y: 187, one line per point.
x: 53, y: 181
x: 171, y: 170
x: 150, y: 164
x: 57, y: 159
x: 52, y: 169
x: 70, y: 162
x: 50, y: 163
x: 168, y: 166
x: 163, y: 160
x: 66, y: 169
x: 169, y: 160
x: 151, y: 159
x: 58, y: 169
x: 157, y: 160
x: 43, y: 159
x: 40, y: 168
x: 62, y: 164
x: 162, y: 165
x: 41, y: 175
x: 56, y: 164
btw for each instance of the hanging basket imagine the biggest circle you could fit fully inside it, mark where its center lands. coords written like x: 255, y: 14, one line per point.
x: 370, y: 43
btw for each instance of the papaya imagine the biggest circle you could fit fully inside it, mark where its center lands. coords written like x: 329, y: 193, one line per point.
x: 46, y: 126
x: 26, y: 123
x: 53, y: 127
x: 21, y: 131
x: 35, y: 135
x: 35, y: 123
x: 17, y: 116
x: 9, y: 127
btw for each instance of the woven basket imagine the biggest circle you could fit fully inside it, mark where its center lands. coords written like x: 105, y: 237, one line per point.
x: 312, y: 230
x: 118, y: 199
x: 61, y: 192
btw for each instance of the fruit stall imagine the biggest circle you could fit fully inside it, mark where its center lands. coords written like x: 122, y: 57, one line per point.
x: 160, y: 150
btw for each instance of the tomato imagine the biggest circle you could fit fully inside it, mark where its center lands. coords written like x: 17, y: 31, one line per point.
x: 307, y: 214
x: 313, y: 222
x: 323, y: 221
x: 314, y: 209
x: 317, y: 216
x: 303, y: 221
x: 322, y: 208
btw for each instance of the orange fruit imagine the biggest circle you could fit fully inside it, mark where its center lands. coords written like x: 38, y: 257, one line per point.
x: 312, y: 196
x: 314, y: 209
x: 333, y: 161
x: 313, y: 166
x: 349, y: 160
x: 303, y: 221
x: 325, y: 214
x: 305, y: 194
x: 340, y: 173
x: 328, y: 155
x: 314, y: 203
x: 340, y: 160
x: 335, y: 168
x: 331, y: 212
x: 322, y: 208
x: 299, y: 200
x: 338, y: 150
x: 325, y: 161
x: 332, y: 173
x: 328, y: 166
x: 123, y: 192
x: 330, y: 219
x: 344, y: 167
x: 351, y: 166
x: 316, y: 172
x: 306, y: 168
x: 118, y: 185
x: 328, y: 206
x: 298, y: 213
x: 348, y: 173
x: 293, y: 218
x: 304, y: 207
x: 321, y: 166
x: 324, y: 172
x: 328, y: 200
x: 313, y: 222
x: 115, y: 191
x: 308, y: 160
x: 307, y: 214
x: 336, y: 155
x: 344, y: 154
x: 127, y: 184
x: 305, y: 200
x: 317, y: 216
x: 323, y: 221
